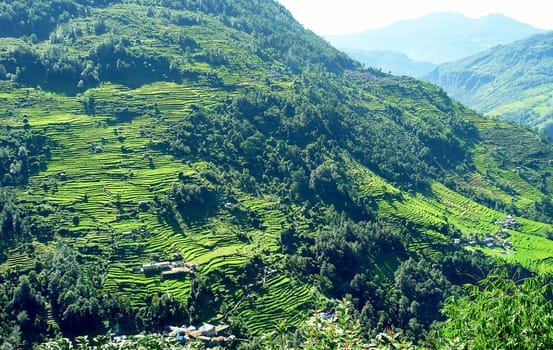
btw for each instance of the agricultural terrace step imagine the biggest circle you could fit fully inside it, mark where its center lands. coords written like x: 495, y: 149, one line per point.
x: 276, y: 305
x: 17, y: 261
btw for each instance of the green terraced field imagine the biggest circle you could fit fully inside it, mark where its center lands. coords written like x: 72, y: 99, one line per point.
x: 444, y: 206
x: 266, y: 306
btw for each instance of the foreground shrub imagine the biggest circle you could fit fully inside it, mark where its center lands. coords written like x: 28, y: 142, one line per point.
x: 499, y: 314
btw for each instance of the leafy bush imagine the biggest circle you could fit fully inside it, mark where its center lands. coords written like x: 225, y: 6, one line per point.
x: 499, y: 314
x: 150, y: 342
x: 328, y: 331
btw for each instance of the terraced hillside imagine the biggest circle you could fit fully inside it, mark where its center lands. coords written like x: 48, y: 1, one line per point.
x: 100, y: 172
x: 219, y: 163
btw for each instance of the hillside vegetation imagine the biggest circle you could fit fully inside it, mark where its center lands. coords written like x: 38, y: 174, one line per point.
x: 512, y: 82
x: 170, y: 162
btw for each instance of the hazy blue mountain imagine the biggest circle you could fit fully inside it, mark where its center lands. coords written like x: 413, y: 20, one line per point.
x: 438, y: 37
x: 514, y: 81
x: 392, y: 61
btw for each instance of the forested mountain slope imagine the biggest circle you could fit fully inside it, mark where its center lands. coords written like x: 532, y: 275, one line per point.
x: 513, y: 82
x: 170, y: 162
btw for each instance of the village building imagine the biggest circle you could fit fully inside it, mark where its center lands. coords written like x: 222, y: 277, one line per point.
x: 167, y: 269
x: 176, y: 272
x: 208, y: 333
x: 156, y: 267
x: 488, y: 240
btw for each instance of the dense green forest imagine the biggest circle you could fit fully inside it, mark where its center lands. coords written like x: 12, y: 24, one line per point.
x: 183, y: 162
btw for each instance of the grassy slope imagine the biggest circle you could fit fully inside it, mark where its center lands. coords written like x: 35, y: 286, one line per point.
x: 126, y: 177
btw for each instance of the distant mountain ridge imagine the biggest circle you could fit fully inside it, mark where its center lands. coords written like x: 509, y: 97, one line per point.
x: 392, y: 61
x: 438, y: 37
x: 512, y: 81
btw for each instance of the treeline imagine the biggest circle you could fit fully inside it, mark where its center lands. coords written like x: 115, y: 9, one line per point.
x: 518, y: 315
x: 11, y: 219
x: 35, y: 18
x: 65, y: 289
x: 22, y: 152
x: 297, y: 144
x: 114, y: 58
x: 110, y: 60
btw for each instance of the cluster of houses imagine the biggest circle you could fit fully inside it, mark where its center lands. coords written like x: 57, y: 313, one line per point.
x: 208, y: 333
x: 132, y: 233
x: 509, y: 222
x: 167, y: 269
x: 498, y: 240
x: 494, y: 241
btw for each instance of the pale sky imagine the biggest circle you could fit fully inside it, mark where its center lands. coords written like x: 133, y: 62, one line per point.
x: 350, y: 16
